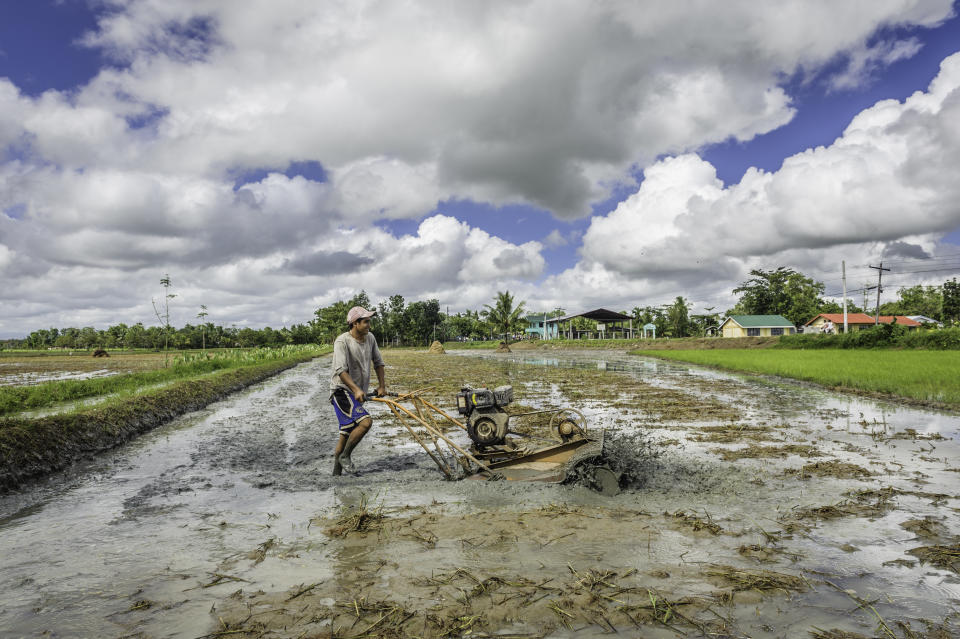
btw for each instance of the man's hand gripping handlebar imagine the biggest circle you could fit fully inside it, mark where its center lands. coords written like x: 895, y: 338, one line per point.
x: 373, y: 394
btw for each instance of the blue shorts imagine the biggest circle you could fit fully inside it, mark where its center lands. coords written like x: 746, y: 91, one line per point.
x: 348, y: 410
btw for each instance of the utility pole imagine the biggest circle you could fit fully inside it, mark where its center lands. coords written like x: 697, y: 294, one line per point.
x: 843, y: 266
x: 866, y: 287
x: 880, y: 270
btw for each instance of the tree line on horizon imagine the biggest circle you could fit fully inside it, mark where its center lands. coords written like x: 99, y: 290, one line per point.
x: 782, y: 291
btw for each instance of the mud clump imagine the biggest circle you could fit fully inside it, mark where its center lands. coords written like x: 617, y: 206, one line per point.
x: 925, y: 528
x: 634, y: 457
x: 437, y: 348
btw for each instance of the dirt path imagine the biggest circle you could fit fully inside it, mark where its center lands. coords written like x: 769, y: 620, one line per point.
x: 758, y: 509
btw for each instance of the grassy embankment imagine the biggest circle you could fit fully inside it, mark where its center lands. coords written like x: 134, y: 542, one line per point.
x: 145, y: 371
x: 686, y: 343
x: 135, y: 404
x: 923, y: 376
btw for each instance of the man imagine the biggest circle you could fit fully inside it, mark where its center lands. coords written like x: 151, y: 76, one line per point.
x: 353, y: 352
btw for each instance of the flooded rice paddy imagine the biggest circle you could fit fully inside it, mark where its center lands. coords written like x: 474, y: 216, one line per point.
x: 755, y: 508
x: 30, y: 370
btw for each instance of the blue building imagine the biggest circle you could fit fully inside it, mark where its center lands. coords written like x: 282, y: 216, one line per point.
x: 536, y: 325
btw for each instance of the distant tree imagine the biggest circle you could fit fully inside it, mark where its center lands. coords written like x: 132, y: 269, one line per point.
x: 164, y: 319
x: 135, y: 337
x: 203, y: 329
x: 917, y: 300
x: 655, y: 315
x: 837, y: 307
x: 780, y: 292
x: 503, y: 316
x: 460, y: 325
x: 678, y: 315
x: 702, y: 322
x: 419, y: 321
x: 951, y: 301
x: 88, y: 337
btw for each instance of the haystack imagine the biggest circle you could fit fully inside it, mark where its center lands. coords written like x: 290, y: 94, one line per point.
x: 437, y: 347
x: 503, y: 348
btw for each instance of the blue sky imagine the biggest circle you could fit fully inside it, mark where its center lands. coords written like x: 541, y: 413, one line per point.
x: 273, y: 158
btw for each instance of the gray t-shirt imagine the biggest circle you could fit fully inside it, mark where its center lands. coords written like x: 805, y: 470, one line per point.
x: 354, y: 357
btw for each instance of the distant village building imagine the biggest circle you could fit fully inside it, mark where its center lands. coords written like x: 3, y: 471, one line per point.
x: 536, y: 326
x: 609, y: 325
x: 756, y: 326
x: 855, y: 322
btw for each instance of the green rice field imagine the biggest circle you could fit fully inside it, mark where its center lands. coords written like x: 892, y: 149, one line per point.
x: 29, y: 383
x: 925, y: 376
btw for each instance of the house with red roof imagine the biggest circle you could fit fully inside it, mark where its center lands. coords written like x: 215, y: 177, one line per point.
x: 855, y: 322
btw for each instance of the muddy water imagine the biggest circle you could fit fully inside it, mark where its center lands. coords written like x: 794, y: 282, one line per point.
x: 215, y: 522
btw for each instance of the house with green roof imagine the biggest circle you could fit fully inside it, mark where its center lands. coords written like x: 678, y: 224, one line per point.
x: 756, y: 326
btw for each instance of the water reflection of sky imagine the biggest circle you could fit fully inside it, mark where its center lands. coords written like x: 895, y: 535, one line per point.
x: 27, y: 379
x: 787, y: 400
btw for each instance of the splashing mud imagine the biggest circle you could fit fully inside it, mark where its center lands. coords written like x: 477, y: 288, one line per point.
x: 749, y: 507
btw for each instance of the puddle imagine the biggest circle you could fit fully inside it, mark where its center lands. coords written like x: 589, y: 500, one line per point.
x: 216, y: 522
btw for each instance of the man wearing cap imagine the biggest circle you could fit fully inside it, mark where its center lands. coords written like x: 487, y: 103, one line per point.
x: 353, y: 352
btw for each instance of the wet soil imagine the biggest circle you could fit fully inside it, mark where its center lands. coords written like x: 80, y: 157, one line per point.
x: 227, y: 522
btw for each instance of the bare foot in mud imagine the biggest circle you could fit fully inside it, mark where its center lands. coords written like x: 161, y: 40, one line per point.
x: 344, y: 462
x: 337, y: 468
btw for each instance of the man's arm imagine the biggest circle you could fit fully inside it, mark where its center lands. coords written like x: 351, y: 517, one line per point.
x: 378, y: 366
x: 381, y: 380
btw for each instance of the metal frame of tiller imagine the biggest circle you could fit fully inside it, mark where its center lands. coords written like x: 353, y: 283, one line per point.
x: 483, y: 462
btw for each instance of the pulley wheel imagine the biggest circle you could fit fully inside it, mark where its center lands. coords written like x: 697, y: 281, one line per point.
x: 568, y: 419
x: 567, y: 428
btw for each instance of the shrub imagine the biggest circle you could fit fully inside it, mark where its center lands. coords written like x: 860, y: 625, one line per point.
x: 883, y: 336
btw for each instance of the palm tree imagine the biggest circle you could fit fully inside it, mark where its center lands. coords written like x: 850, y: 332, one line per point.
x: 503, y: 316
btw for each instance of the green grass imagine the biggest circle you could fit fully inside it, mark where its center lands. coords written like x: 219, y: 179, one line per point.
x: 926, y: 376
x: 15, y: 399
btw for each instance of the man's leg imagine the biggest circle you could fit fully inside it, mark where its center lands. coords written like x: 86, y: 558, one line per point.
x: 356, y: 435
x: 341, y: 443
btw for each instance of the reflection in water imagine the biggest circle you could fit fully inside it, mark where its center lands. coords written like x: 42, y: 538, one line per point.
x: 786, y: 399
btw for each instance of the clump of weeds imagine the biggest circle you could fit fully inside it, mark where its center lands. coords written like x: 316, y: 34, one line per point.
x: 832, y: 468
x: 759, y: 580
x: 691, y: 520
x: 754, y: 451
x: 731, y: 434
x: 946, y: 557
x: 767, y: 553
x: 359, y: 518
